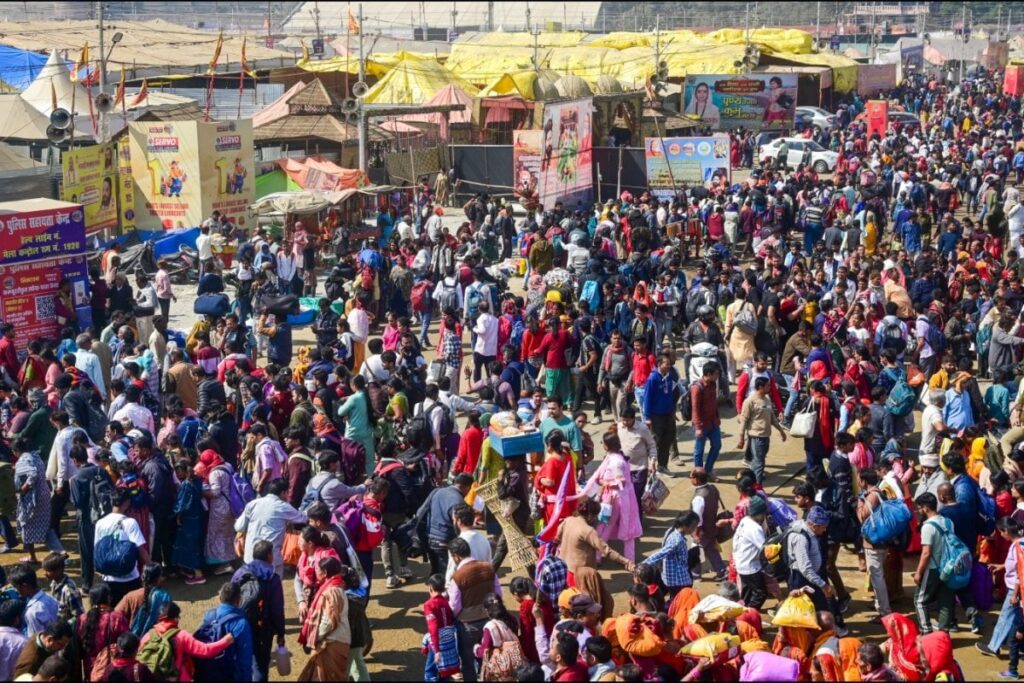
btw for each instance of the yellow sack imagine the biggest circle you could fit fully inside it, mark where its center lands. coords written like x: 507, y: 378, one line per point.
x: 798, y: 612
x: 715, y: 608
x: 711, y: 646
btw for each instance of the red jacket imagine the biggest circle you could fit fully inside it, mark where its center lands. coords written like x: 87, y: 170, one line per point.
x: 186, y: 647
x: 373, y: 527
x: 743, y: 386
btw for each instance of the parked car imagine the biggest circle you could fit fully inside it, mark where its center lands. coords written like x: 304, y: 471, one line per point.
x: 822, y: 160
x: 820, y: 119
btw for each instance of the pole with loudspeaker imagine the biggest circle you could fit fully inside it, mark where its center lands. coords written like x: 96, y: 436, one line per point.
x: 103, y: 103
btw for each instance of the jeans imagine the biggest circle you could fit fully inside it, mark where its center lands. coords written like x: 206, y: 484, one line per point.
x: 758, y: 453
x: 357, y: 670
x: 812, y: 234
x: 1008, y: 622
x: 639, y: 478
x: 10, y: 534
x: 662, y: 329
x: 714, y: 436
x: 481, y: 361
x: 165, y: 307
x: 425, y: 318
x: 793, y: 395
x: 437, y: 553
x: 586, y: 387
x: 638, y: 394
x: 470, y: 634
x: 366, y: 561
x: 390, y: 553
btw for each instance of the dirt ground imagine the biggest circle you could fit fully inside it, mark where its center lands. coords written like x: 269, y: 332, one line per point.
x: 396, y: 616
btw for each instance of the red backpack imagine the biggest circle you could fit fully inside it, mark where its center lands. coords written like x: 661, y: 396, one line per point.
x: 422, y: 300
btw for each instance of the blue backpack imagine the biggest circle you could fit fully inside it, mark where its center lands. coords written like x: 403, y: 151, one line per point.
x: 901, y: 399
x: 986, y: 512
x: 515, y: 338
x: 221, y: 667
x: 886, y: 522
x: 956, y: 564
x: 240, y: 492
x: 116, y: 554
x: 591, y: 293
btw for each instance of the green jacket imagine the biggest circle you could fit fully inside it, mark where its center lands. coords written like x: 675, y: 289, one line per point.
x: 39, y: 432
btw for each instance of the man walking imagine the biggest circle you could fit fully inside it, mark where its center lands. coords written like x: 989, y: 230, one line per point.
x: 706, y: 420
x: 659, y: 408
x: 757, y: 418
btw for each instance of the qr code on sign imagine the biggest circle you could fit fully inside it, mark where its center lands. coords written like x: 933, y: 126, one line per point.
x: 44, y: 308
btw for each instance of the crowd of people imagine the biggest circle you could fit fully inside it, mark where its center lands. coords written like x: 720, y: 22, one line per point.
x: 840, y: 311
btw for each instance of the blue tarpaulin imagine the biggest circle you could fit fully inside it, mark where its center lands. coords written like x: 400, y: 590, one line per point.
x: 172, y: 240
x: 18, y: 68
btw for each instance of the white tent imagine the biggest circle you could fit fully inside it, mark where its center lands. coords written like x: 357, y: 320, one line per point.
x: 55, y: 78
x: 21, y: 121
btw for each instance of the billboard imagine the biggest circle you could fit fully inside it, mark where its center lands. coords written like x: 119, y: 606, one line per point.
x: 877, y: 115
x: 526, y: 158
x: 28, y: 233
x: 29, y: 290
x: 177, y: 187
x: 125, y: 186
x: 691, y: 160
x: 565, y: 167
x: 750, y: 101
x: 874, y: 79
x: 90, y: 179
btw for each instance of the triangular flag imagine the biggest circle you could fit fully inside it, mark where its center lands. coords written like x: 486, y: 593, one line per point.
x: 119, y: 95
x: 353, y: 25
x: 83, y: 60
x: 53, y: 95
x: 305, y: 51
x: 245, y: 63
x: 216, y: 52
x: 143, y: 94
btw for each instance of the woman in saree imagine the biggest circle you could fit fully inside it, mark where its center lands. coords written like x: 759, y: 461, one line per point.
x: 557, y: 468
x: 795, y: 643
x: 620, y: 510
x: 679, y: 610
x: 848, y: 658
x: 33, y: 497
x: 936, y: 650
x: 904, y: 657
x: 220, y: 525
x: 190, y: 512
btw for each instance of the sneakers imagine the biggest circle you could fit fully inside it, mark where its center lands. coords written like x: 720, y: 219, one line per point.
x: 663, y: 471
x: 844, y: 604
x: 195, y: 580
x: 976, y: 625
x: 721, y: 576
x: 842, y: 631
x: 223, y: 569
x: 1009, y: 675
x: 393, y: 582
x: 986, y: 650
x: 405, y: 573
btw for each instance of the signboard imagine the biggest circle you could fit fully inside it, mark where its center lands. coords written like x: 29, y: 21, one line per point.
x: 751, y: 101
x: 873, y: 79
x: 125, y: 186
x: 566, y: 173
x: 29, y: 290
x: 691, y: 160
x: 911, y: 61
x: 833, y: 43
x: 318, y: 46
x: 877, y: 115
x: 177, y: 187
x: 30, y: 235
x: 90, y: 179
x: 526, y: 158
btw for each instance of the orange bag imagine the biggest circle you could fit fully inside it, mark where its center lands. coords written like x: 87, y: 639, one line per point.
x: 292, y: 549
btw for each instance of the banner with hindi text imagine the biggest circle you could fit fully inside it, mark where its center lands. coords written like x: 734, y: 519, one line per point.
x: 89, y: 177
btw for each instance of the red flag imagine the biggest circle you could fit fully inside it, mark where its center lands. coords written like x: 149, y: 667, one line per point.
x: 119, y: 95
x: 142, y: 96
x: 550, y: 531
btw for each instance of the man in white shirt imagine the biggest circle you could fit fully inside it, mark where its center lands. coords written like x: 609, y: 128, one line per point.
x: 133, y: 414
x: 932, y: 424
x: 286, y: 269
x: 89, y: 363
x: 204, y: 246
x: 378, y: 367
x: 124, y: 528
x: 479, y: 546
x: 485, y: 348
x: 747, y: 547
x: 404, y: 228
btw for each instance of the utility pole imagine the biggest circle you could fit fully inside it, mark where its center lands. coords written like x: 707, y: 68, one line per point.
x: 454, y: 13
x: 362, y: 111
x: 817, y: 23
x: 103, y: 72
x: 316, y: 23
x: 871, y: 37
x: 490, y: 16
x: 963, y: 38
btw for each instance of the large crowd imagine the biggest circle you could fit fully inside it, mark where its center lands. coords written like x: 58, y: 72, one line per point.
x: 840, y: 311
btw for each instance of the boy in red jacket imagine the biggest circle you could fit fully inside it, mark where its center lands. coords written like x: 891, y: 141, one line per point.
x: 439, y: 644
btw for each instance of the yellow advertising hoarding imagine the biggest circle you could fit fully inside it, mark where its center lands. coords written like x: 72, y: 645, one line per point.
x: 90, y: 179
x: 184, y: 170
x: 125, y: 186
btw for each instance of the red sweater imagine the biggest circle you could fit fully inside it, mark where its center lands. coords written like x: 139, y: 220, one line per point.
x: 439, y: 615
x: 470, y: 444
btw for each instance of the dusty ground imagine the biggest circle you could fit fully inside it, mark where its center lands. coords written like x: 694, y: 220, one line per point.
x: 396, y: 615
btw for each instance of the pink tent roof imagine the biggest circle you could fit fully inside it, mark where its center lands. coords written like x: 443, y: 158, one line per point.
x: 317, y: 173
x: 449, y: 94
x: 278, y: 109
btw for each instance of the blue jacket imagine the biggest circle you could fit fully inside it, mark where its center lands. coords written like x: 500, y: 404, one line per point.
x: 279, y: 347
x: 438, y: 511
x: 659, y: 394
x: 233, y: 621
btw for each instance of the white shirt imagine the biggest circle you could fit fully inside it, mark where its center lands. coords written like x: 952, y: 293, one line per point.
x: 205, y: 248
x: 747, y: 545
x: 479, y: 549
x: 285, y: 266
x: 129, y: 529
x: 486, y: 335
x: 89, y: 363
x: 931, y: 416
x: 405, y: 230
x: 374, y: 371
x: 138, y: 415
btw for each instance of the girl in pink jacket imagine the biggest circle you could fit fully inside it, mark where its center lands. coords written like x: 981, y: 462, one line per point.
x: 185, y: 645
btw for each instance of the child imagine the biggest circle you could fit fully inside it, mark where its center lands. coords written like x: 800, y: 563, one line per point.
x: 648, y: 577
x: 1010, y: 530
x: 674, y: 555
x: 439, y: 644
x: 188, y: 508
x: 62, y: 588
x: 598, y: 655
x: 522, y: 590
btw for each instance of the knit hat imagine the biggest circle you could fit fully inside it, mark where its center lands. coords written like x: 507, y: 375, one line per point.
x: 818, y: 516
x: 758, y: 506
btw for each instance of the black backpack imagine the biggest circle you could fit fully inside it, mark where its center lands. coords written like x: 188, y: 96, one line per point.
x: 101, y: 492
x: 252, y: 599
x: 418, y: 433
x: 447, y: 426
x: 779, y: 568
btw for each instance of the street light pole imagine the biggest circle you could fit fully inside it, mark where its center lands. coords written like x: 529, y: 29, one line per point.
x: 362, y: 112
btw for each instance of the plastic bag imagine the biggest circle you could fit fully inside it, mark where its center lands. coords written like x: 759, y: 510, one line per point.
x: 654, y: 495
x: 765, y: 666
x: 797, y: 611
x: 714, y: 608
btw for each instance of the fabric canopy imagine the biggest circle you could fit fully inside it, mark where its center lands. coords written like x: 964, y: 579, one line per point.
x: 414, y: 80
x: 55, y: 78
x: 318, y: 173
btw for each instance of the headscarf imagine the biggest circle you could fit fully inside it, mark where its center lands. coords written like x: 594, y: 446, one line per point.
x: 848, y: 648
x: 208, y: 459
x: 903, y: 635
x: 976, y: 460
x: 752, y: 618
x: 937, y: 648
x: 590, y: 582
x: 679, y: 609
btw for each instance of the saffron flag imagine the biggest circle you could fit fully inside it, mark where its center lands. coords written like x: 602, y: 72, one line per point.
x: 83, y: 61
x: 142, y: 96
x: 305, y: 51
x: 53, y: 95
x: 353, y: 25
x: 119, y: 95
x: 246, y: 71
x: 216, y: 52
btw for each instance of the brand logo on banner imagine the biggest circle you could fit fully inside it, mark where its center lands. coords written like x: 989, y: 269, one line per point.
x: 691, y: 160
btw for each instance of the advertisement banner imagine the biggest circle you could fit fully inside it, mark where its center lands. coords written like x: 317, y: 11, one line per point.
x: 40, y: 228
x: 89, y: 178
x: 566, y: 175
x: 29, y: 290
x: 751, y: 101
x: 877, y: 112
x: 874, y: 79
x: 227, y: 171
x: 526, y: 158
x: 690, y: 160
x: 125, y: 186
x: 165, y: 172
x: 177, y: 187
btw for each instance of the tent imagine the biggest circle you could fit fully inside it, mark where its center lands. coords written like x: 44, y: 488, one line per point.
x: 449, y: 94
x: 18, y: 68
x: 21, y: 121
x: 54, y: 82
x: 414, y: 80
x: 13, y: 163
x: 320, y: 174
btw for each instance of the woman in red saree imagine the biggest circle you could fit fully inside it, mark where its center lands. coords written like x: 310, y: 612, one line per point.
x: 937, y: 658
x: 902, y: 646
x: 556, y: 482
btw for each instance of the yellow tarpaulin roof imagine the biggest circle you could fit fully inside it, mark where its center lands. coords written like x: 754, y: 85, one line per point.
x: 339, y: 64
x: 844, y: 69
x: 526, y: 39
x: 584, y: 61
x: 414, y: 80
x: 521, y: 84
x: 708, y: 58
x: 776, y: 39
x: 482, y: 64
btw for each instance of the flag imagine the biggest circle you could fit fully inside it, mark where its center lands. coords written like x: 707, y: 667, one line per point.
x: 143, y: 94
x: 53, y: 95
x: 119, y: 95
x: 550, y: 532
x: 216, y: 52
x: 246, y: 71
x: 305, y: 51
x: 353, y: 25
x: 83, y: 61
